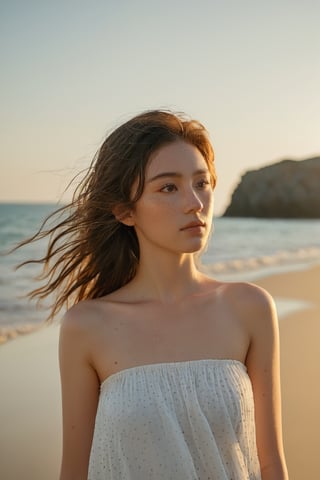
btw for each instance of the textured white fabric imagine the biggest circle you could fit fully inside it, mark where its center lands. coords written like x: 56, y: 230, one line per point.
x: 191, y: 420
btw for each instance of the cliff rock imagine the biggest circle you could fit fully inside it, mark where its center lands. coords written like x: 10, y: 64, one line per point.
x: 287, y: 189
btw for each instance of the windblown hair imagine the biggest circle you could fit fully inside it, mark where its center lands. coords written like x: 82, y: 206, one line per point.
x: 90, y: 253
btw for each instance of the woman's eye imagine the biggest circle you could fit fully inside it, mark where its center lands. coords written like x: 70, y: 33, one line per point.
x: 170, y: 187
x: 203, y: 183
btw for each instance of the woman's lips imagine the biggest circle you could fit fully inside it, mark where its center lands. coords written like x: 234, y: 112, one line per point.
x: 194, y: 226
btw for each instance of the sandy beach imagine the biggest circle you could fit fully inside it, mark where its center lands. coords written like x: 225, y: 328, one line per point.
x: 30, y: 414
x: 300, y: 369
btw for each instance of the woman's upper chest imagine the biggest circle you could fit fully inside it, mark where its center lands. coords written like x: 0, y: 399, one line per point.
x: 144, y: 335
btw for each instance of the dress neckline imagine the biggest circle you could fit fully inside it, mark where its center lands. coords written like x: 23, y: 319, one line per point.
x: 163, y: 365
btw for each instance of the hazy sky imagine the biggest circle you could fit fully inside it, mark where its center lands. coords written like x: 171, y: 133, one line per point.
x: 71, y: 70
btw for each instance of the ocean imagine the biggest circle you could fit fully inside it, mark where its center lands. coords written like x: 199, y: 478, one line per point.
x: 238, y: 249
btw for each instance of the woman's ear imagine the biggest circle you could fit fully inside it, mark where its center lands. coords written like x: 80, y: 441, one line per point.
x: 123, y: 215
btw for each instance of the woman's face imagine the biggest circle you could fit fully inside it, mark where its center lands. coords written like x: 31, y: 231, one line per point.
x: 175, y: 210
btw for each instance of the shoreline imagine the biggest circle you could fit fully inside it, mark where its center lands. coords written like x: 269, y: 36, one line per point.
x: 30, y: 415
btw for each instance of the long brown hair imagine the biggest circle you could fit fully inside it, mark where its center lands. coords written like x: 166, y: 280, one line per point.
x: 90, y: 253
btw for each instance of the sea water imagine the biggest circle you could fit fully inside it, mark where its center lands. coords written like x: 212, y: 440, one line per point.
x: 237, y: 248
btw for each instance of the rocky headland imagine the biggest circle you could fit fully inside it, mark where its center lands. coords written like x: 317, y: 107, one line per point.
x: 286, y: 189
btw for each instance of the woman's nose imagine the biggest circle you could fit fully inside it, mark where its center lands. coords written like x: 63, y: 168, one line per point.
x: 193, y: 202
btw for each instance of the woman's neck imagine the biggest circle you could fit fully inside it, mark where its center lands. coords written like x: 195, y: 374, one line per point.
x: 167, y: 277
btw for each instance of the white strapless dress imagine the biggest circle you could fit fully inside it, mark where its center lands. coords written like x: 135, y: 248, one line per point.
x: 191, y: 420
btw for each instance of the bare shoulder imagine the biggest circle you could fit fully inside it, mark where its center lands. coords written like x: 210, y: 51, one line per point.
x: 253, y: 310
x: 84, y: 315
x: 251, y: 303
x: 244, y: 295
x: 249, y: 293
x: 75, y: 329
x: 84, y: 321
x: 86, y: 337
x: 77, y: 320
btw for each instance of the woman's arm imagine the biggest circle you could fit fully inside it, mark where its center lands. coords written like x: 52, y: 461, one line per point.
x: 80, y: 393
x: 263, y: 365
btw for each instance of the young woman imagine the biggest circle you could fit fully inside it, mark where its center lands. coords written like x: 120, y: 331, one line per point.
x: 166, y: 373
